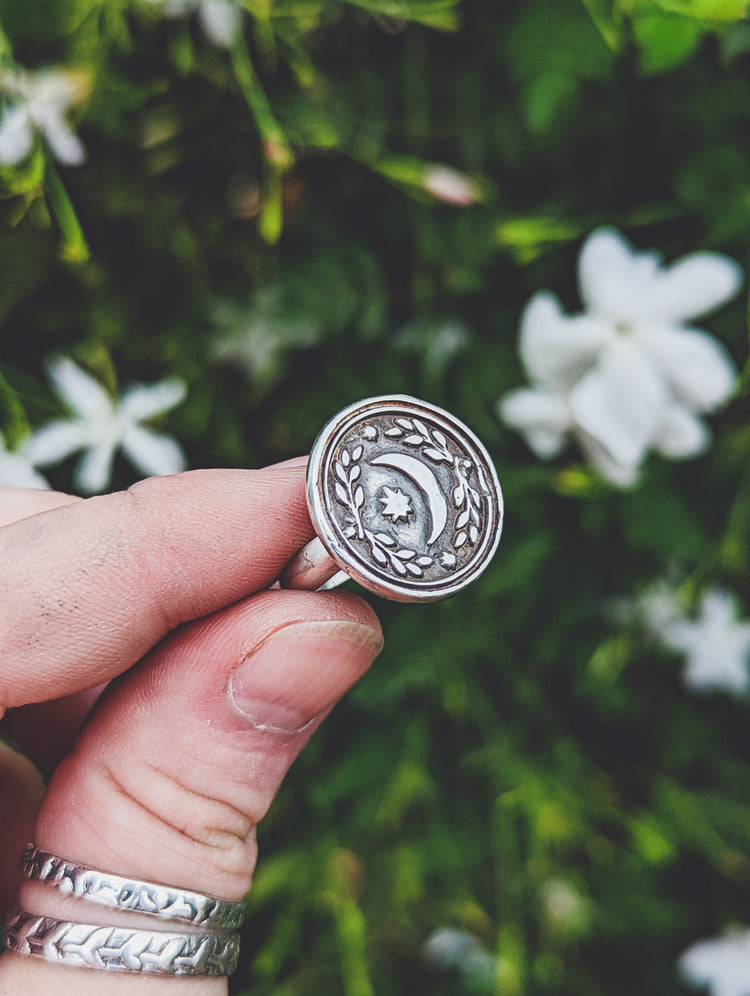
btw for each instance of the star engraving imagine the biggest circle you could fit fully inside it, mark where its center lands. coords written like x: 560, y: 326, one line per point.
x: 396, y: 504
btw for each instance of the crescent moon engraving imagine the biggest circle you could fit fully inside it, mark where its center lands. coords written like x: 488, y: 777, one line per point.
x: 427, y: 483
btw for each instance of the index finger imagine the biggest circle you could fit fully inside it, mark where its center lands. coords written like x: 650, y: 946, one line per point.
x: 88, y: 588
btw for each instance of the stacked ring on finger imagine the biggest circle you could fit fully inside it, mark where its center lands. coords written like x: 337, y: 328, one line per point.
x: 124, y: 893
x: 212, y: 951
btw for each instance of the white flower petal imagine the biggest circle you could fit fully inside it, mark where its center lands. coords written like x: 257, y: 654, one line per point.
x: 94, y: 472
x: 16, y: 135
x: 557, y: 350
x: 620, y: 283
x: 622, y: 475
x: 52, y: 91
x: 450, y: 186
x: 54, y: 442
x: 612, y: 278
x: 682, y: 434
x: 620, y: 404
x: 693, y: 286
x: 716, y: 646
x: 542, y: 416
x: 153, y: 453
x: 222, y: 21
x: 84, y: 395
x: 695, y: 363
x: 66, y: 146
x: 142, y: 401
x: 16, y: 472
x: 723, y: 964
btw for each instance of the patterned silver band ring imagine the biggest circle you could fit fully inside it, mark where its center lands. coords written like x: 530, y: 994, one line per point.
x: 118, y: 892
x: 118, y: 949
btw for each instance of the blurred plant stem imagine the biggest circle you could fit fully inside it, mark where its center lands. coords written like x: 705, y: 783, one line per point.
x: 73, y: 247
x: 277, y: 151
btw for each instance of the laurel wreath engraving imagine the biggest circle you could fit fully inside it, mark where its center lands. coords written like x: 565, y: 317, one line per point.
x: 434, y: 446
x: 384, y: 549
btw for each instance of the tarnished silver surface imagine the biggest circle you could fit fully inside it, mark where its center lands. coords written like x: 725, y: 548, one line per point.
x: 404, y: 498
x: 118, y: 949
x: 122, y: 893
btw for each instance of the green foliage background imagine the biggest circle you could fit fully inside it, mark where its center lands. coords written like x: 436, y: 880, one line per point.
x: 514, y: 736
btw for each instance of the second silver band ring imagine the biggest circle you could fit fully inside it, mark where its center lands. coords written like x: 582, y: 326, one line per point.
x: 121, y: 949
x: 123, y: 893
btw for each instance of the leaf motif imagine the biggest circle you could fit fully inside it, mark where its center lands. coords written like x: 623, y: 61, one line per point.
x: 462, y: 519
x: 345, y: 457
x: 439, y: 438
x: 339, y: 471
x: 474, y: 516
x: 421, y: 427
x: 406, y: 554
x: 385, y: 539
x: 378, y: 555
x: 370, y: 432
x: 413, y: 569
x: 473, y: 534
x: 350, y: 532
x: 398, y: 566
x: 434, y: 454
x: 458, y: 496
x: 359, y: 497
x: 459, y: 541
x: 355, y: 473
x: 394, y: 433
x: 405, y: 423
x: 423, y: 561
x: 357, y: 453
x: 341, y: 494
x: 474, y: 497
x: 414, y: 440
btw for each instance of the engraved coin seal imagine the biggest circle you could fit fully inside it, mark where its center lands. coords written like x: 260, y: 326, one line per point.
x: 404, y: 498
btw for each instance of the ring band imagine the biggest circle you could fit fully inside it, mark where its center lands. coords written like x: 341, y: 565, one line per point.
x: 118, y: 949
x: 312, y: 569
x: 118, y: 892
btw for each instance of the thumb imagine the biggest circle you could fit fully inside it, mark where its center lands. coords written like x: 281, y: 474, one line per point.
x: 184, y: 754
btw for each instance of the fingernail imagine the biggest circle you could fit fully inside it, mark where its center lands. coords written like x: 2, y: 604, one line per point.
x: 300, y: 670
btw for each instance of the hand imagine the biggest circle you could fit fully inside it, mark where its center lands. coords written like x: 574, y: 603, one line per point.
x: 158, y: 598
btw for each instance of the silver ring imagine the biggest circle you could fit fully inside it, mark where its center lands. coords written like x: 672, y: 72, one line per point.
x: 118, y: 892
x: 405, y: 500
x: 118, y: 949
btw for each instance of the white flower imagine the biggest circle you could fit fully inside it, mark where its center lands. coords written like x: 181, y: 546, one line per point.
x: 17, y: 471
x: 39, y: 102
x: 451, y: 948
x: 627, y: 375
x: 655, y: 608
x: 722, y: 964
x: 716, y: 645
x: 258, y: 337
x: 438, y: 345
x: 565, y: 909
x: 221, y: 19
x: 450, y: 186
x: 100, y: 425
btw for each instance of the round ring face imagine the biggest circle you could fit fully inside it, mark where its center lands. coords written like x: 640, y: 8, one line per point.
x: 405, y: 498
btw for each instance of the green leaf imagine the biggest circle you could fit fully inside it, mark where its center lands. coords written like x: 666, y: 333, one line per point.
x: 440, y: 14
x: 665, y: 40
x: 547, y: 98
x: 705, y: 10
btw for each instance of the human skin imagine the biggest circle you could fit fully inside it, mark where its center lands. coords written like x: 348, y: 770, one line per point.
x: 155, y: 605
